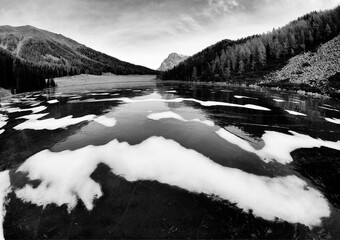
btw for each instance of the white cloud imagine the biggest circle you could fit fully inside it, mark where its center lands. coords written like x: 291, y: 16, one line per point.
x: 220, y: 7
x: 187, y: 23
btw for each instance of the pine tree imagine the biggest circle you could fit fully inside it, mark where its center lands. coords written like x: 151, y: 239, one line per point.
x: 232, y: 58
x: 328, y: 31
x: 226, y: 74
x: 261, y: 52
x: 223, y: 58
x: 240, y: 67
x: 194, y: 74
x: 253, y: 53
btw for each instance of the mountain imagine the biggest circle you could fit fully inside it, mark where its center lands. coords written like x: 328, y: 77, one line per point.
x: 171, y: 61
x: 46, y: 48
x: 250, y: 59
x: 29, y: 55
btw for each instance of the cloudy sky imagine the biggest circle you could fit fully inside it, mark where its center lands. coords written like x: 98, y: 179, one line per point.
x: 145, y: 31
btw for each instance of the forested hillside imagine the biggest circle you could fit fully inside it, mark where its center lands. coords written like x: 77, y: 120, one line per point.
x: 28, y: 55
x: 20, y: 75
x: 258, y: 55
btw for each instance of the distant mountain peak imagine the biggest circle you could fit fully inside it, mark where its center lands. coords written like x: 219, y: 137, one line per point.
x: 171, y: 61
x: 176, y: 54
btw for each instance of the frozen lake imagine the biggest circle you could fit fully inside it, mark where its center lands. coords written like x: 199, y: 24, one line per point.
x: 131, y: 157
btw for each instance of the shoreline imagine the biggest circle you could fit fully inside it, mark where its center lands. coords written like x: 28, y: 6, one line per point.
x: 97, y: 80
x: 255, y: 85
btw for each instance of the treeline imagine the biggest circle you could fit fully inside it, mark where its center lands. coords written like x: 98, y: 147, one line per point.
x: 101, y: 62
x: 259, y: 54
x: 82, y: 59
x: 30, y: 71
x: 21, y: 75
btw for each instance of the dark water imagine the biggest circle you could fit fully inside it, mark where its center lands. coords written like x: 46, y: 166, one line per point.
x: 154, y: 208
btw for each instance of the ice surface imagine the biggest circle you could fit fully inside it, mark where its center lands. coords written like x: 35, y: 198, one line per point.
x: 177, y: 100
x: 35, y: 104
x: 99, y: 94
x: 330, y: 109
x: 34, y: 109
x: 33, y: 116
x: 53, y: 101
x: 240, y: 97
x: 108, y: 122
x: 278, y: 146
x: 3, y: 120
x: 169, y: 114
x: 65, y: 177
x: 333, y: 120
x: 295, y: 113
x: 4, y: 190
x: 52, y: 123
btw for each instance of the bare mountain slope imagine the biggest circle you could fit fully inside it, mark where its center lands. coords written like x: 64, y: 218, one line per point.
x: 317, y: 71
x: 312, y: 67
x: 171, y: 61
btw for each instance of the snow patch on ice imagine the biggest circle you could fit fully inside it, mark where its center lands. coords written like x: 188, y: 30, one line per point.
x: 278, y: 146
x: 240, y: 97
x: 3, y: 120
x: 333, y: 120
x: 330, y: 109
x: 4, y: 190
x: 169, y: 114
x: 177, y: 100
x: 5, y: 104
x: 52, y: 123
x: 108, y: 122
x: 75, y: 97
x: 34, y: 109
x: 33, y: 116
x: 53, y: 101
x: 65, y: 177
x: 295, y: 113
x: 99, y: 94
x: 35, y: 104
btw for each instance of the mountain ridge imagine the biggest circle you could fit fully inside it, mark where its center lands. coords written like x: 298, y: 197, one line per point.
x: 43, y: 47
x: 29, y: 55
x: 171, y: 61
x: 250, y: 59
